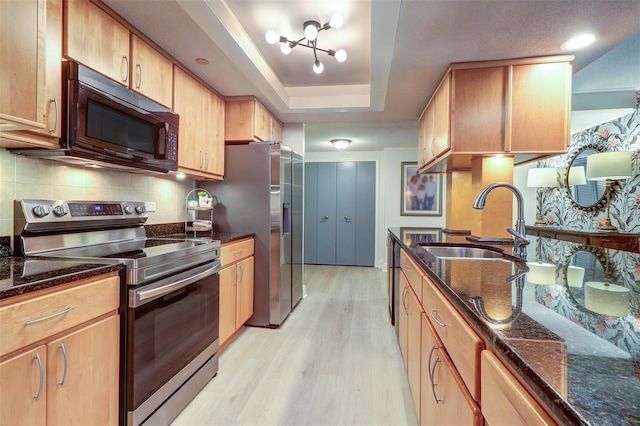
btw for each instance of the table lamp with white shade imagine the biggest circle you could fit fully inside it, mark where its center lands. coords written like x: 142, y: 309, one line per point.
x: 577, y: 176
x: 609, y: 166
x: 541, y: 177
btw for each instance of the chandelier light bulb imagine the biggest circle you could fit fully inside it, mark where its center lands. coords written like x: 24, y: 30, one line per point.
x: 310, y: 31
x: 285, y: 48
x: 341, y: 55
x: 272, y: 37
x: 336, y: 20
x: 318, y: 67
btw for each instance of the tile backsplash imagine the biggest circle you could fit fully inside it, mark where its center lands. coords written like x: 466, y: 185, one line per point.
x: 50, y: 180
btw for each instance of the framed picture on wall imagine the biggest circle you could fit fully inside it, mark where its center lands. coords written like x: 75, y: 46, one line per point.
x: 421, y: 193
x: 414, y: 236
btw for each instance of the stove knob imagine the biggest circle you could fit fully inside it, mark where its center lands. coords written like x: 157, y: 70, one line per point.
x: 128, y: 210
x: 59, y: 210
x: 41, y: 210
x: 140, y: 209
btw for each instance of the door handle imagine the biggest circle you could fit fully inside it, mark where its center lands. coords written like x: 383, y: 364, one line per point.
x: 347, y: 219
x: 324, y: 218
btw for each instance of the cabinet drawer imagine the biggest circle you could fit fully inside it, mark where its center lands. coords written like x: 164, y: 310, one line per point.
x: 232, y: 252
x: 462, y: 343
x: 413, y: 273
x: 504, y: 400
x: 31, y: 320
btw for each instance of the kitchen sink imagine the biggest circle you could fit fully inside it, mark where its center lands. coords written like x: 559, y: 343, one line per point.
x: 466, y: 252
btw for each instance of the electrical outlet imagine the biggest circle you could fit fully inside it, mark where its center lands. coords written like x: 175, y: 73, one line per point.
x: 150, y: 206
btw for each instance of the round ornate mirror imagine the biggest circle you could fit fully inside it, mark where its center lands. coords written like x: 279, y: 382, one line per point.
x: 584, y: 194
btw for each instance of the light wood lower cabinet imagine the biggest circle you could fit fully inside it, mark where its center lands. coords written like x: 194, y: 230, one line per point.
x: 504, y: 400
x: 410, y: 324
x: 69, y: 375
x: 236, y: 287
x: 444, y: 398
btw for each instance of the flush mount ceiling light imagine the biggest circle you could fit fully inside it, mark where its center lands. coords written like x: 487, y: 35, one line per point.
x: 311, y: 30
x: 578, y: 42
x: 340, y: 143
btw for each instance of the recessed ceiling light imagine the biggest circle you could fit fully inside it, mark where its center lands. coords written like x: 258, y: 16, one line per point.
x: 579, y: 41
x: 202, y: 61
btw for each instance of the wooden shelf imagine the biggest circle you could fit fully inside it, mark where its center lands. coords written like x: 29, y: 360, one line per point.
x: 613, y: 240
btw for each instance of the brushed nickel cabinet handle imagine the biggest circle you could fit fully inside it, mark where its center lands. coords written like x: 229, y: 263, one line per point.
x: 441, y: 324
x: 241, y: 275
x: 139, y: 76
x: 404, y: 299
x: 55, y: 123
x: 124, y: 65
x: 35, y: 321
x: 64, y: 357
x: 432, y: 374
x: 41, y: 386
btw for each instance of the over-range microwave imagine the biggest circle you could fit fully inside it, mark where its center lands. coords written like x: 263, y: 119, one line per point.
x: 107, y: 124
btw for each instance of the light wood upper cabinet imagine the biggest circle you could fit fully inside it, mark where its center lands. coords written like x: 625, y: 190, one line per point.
x: 60, y: 355
x: 151, y: 72
x: 248, y: 120
x: 30, y: 52
x: 498, y: 107
x: 200, y: 138
x: 95, y: 39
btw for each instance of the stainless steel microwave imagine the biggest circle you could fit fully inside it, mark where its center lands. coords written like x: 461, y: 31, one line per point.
x: 107, y: 124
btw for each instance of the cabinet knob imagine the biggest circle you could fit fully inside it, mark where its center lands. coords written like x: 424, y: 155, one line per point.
x: 324, y: 218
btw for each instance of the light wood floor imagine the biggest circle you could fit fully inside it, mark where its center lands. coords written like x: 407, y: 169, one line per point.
x: 334, y: 361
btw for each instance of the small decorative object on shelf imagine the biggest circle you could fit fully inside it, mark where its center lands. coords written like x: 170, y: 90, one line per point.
x: 199, y: 217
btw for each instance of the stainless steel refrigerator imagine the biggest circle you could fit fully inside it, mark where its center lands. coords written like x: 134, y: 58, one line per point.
x: 259, y: 195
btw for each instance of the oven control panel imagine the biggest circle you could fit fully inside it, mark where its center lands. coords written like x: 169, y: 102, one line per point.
x: 39, y: 214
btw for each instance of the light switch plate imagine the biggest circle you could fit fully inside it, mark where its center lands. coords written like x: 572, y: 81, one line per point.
x: 150, y: 206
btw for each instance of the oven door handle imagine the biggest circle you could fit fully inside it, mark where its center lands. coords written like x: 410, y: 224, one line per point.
x: 144, y: 295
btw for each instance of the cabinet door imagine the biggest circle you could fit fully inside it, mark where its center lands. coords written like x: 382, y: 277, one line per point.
x: 22, y: 62
x: 441, y: 116
x: 478, y: 105
x: 403, y: 318
x: 84, y: 374
x: 23, y: 384
x: 541, y: 103
x: 228, y: 291
x: 152, y: 73
x: 444, y: 397
x: 188, y: 102
x: 504, y: 400
x: 244, y: 299
x: 261, y: 122
x: 423, y: 123
x: 95, y: 39
x: 414, y: 348
x: 276, y: 129
x: 214, y: 134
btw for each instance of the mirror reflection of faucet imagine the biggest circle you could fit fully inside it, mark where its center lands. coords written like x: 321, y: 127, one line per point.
x: 520, y: 241
x: 519, y: 278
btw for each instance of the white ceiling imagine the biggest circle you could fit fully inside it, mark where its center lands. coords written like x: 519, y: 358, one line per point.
x: 397, y: 53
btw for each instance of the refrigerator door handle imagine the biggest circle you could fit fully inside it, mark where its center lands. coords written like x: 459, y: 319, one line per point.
x: 286, y: 219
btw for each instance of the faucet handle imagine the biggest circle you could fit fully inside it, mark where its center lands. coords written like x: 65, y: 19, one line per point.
x: 525, y: 241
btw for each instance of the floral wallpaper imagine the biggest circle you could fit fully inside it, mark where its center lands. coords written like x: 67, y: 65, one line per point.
x: 623, y: 268
x: 622, y: 134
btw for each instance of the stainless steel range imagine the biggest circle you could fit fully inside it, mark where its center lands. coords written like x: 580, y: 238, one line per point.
x: 170, y: 316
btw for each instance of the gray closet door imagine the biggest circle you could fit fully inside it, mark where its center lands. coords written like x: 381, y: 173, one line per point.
x: 326, y: 215
x: 340, y: 213
x: 346, y: 211
x: 365, y: 214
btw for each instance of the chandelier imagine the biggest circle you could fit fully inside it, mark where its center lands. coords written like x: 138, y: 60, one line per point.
x: 310, y: 40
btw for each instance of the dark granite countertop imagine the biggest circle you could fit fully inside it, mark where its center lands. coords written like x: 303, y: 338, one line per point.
x: 582, y: 364
x: 20, y: 275
x: 223, y: 237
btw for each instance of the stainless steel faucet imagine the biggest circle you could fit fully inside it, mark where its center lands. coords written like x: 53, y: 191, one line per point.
x: 520, y: 242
